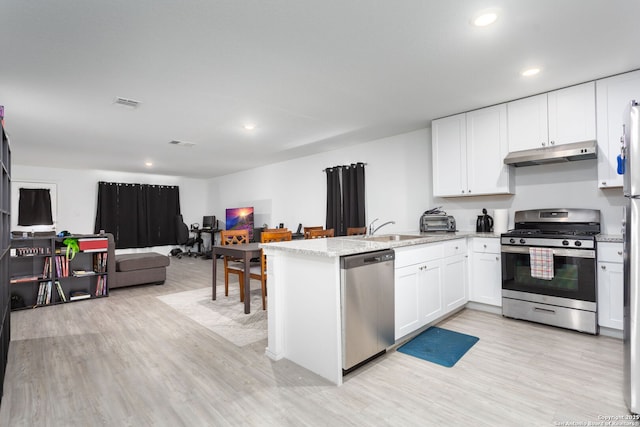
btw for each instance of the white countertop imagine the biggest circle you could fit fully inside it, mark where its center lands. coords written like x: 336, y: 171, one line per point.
x: 349, y: 245
x: 612, y: 238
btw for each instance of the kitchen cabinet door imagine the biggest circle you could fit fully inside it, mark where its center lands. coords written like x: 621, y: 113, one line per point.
x: 454, y: 286
x: 610, y: 295
x: 430, y: 291
x: 486, y: 276
x: 407, y: 310
x: 468, y: 154
x: 572, y: 114
x: 528, y: 123
x: 613, y: 95
x: 487, y: 147
x: 449, y: 136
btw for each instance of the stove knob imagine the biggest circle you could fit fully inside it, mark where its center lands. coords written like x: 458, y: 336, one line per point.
x: 578, y: 243
x: 565, y: 243
x: 523, y: 241
x: 512, y: 240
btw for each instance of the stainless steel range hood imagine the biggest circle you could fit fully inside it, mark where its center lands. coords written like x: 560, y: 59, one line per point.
x: 553, y: 154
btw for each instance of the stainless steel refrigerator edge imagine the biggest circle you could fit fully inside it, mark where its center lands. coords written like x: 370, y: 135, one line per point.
x: 631, y: 239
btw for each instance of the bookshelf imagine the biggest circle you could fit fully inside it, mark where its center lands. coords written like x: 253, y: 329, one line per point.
x: 42, y: 272
x: 5, y: 226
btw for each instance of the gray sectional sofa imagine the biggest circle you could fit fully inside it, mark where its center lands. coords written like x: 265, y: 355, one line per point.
x: 135, y: 269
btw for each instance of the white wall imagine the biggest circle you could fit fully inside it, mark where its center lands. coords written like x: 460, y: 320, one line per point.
x: 398, y: 185
x: 77, y: 193
x: 561, y: 185
x: 399, y: 188
x: 397, y: 175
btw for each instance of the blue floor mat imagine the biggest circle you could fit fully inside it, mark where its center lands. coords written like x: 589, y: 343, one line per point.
x: 439, y: 346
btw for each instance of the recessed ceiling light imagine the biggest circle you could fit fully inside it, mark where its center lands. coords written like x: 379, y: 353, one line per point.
x: 530, y: 72
x: 249, y: 126
x: 148, y: 164
x: 484, y: 19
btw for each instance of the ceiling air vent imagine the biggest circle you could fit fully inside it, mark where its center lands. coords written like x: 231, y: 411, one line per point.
x: 131, y: 103
x: 182, y: 143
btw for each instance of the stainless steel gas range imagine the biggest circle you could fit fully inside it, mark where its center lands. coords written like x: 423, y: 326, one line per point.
x: 549, y: 268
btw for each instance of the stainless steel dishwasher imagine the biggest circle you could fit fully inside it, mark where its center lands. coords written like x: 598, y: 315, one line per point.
x: 367, y: 299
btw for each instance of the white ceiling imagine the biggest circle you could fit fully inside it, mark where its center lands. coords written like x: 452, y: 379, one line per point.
x: 313, y: 75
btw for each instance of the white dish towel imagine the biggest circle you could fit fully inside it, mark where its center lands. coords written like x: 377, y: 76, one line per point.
x: 541, y: 263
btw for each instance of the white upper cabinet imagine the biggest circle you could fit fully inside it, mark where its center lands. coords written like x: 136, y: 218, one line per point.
x: 468, y: 154
x: 572, y: 114
x: 449, y: 136
x: 613, y: 95
x: 528, y: 123
x: 486, y: 149
x: 559, y: 117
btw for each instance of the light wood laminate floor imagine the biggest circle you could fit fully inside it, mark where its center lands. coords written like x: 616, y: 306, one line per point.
x: 131, y: 360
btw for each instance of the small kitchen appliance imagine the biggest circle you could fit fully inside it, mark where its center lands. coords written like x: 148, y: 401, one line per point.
x: 484, y: 223
x: 549, y: 268
x: 437, y: 220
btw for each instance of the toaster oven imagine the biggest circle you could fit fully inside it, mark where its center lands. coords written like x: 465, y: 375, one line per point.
x: 430, y: 222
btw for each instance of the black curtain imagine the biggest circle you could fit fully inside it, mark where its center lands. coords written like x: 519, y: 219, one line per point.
x: 34, y: 207
x: 345, y: 197
x: 138, y: 215
x: 334, y: 200
x: 353, y: 196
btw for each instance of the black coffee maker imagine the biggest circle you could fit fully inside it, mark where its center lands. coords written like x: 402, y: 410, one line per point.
x: 484, y: 224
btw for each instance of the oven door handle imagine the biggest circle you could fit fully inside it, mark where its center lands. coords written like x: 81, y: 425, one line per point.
x: 574, y: 253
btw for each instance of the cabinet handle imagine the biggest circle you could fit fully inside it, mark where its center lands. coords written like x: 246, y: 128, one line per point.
x: 620, y: 253
x: 497, y: 258
x: 543, y: 144
x: 462, y: 191
x: 468, y: 191
x: 485, y: 246
x: 604, y: 267
x: 604, y: 182
x: 552, y: 142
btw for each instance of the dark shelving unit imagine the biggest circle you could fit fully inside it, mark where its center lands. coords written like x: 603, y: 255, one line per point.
x: 5, y: 227
x: 42, y: 274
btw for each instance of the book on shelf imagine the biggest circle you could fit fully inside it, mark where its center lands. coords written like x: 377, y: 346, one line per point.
x: 23, y: 279
x: 30, y: 251
x: 101, y: 286
x: 100, y: 262
x: 93, y: 244
x: 83, y: 273
x: 77, y: 295
x: 44, y: 293
x: 61, y: 294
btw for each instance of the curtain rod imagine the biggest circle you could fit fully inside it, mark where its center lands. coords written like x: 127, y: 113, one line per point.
x: 345, y: 166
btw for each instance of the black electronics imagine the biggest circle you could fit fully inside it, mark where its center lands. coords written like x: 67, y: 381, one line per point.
x: 208, y: 221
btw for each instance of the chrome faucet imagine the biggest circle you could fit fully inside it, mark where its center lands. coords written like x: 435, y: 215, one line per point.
x: 373, y: 230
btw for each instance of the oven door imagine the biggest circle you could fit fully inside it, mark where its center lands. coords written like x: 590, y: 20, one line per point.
x: 574, y: 273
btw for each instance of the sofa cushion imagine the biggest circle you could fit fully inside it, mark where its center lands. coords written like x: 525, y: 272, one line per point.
x: 140, y: 261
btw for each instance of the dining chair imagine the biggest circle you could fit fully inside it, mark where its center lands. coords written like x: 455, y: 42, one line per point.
x: 260, y: 272
x: 319, y: 234
x: 233, y: 265
x: 356, y: 231
x: 308, y: 229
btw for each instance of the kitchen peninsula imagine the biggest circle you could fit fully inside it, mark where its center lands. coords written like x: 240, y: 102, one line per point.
x: 304, y: 302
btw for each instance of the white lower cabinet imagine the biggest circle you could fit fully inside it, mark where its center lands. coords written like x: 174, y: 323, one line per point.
x: 454, y: 289
x: 486, y: 272
x: 428, y: 283
x: 610, y: 285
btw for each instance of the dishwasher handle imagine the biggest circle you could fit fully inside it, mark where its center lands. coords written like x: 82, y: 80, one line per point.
x: 368, y: 258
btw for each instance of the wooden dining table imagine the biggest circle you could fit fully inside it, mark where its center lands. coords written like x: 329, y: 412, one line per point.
x: 245, y: 252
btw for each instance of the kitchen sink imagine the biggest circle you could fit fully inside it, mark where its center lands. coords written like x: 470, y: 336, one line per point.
x: 391, y: 237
